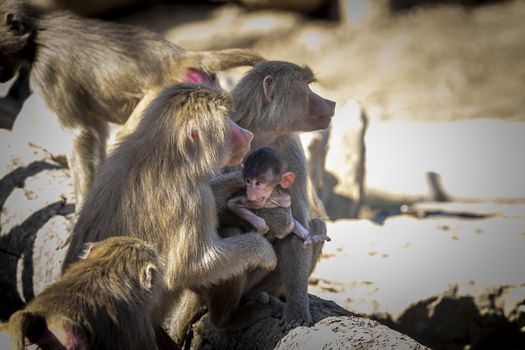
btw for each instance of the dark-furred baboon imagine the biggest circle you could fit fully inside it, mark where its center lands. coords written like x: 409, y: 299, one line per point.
x: 104, y: 301
x: 155, y: 185
x: 267, y: 180
x: 274, y: 101
x: 91, y: 72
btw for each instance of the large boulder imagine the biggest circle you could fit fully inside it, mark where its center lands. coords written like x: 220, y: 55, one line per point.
x: 334, y: 328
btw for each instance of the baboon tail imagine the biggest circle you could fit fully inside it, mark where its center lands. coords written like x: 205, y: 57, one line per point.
x: 317, y: 208
x: 219, y: 60
x: 18, y: 323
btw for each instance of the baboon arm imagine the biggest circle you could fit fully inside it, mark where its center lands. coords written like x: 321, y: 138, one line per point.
x: 300, y: 230
x: 88, y: 153
x: 231, y: 257
x: 244, y: 213
x: 295, y: 280
x: 224, y: 185
x: 12, y: 103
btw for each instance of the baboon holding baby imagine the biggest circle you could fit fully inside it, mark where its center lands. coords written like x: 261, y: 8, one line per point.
x: 274, y: 101
x: 155, y: 185
x: 103, y: 301
x: 91, y: 72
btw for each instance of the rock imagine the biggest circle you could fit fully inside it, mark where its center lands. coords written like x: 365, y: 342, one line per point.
x: 334, y: 327
x: 346, y: 333
x: 446, y: 282
x: 35, y: 219
x: 336, y: 160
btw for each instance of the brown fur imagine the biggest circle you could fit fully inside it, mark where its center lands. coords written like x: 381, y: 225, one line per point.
x: 102, y: 302
x: 273, y: 101
x: 155, y: 185
x: 91, y: 72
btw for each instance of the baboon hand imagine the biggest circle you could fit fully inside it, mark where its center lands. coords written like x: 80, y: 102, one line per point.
x: 261, y: 227
x: 318, y: 239
x: 264, y: 255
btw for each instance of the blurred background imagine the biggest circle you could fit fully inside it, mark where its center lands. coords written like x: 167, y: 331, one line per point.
x: 422, y: 172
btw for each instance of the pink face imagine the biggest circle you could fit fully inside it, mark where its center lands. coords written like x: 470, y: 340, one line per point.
x: 240, y: 143
x: 259, y: 189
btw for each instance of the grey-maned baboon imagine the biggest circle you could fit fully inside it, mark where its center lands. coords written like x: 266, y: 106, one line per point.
x: 267, y: 180
x: 155, y: 185
x: 274, y: 101
x: 11, y: 104
x: 91, y: 72
x: 104, y: 301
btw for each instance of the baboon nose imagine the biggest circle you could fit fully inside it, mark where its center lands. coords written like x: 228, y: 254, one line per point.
x: 247, y: 134
x: 331, y: 107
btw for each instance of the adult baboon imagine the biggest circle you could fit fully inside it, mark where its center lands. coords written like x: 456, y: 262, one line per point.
x: 104, y: 301
x: 91, y: 72
x: 12, y: 103
x: 155, y: 185
x: 274, y: 101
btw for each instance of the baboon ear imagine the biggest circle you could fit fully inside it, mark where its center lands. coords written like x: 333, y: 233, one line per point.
x: 194, y: 135
x: 148, y: 277
x: 14, y: 22
x: 88, y: 248
x: 287, y: 179
x: 193, y: 132
x: 266, y: 88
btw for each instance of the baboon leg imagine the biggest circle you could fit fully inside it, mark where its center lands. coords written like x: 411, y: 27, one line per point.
x: 188, y: 310
x: 318, y: 227
x: 294, y: 277
x: 163, y: 339
x: 136, y: 115
x: 89, y: 151
x: 229, y: 310
x: 12, y: 103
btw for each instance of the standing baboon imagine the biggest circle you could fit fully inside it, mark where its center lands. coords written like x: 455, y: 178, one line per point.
x: 274, y: 101
x: 92, y: 72
x: 104, y: 301
x: 155, y: 185
x: 12, y: 103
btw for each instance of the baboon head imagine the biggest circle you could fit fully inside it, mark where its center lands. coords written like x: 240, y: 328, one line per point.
x: 197, y: 128
x: 16, y: 31
x: 275, y: 97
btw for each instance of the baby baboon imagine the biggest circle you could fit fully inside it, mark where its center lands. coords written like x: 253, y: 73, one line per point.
x: 274, y: 101
x: 104, y: 301
x: 267, y: 181
x: 12, y: 103
x: 92, y: 72
x: 155, y: 185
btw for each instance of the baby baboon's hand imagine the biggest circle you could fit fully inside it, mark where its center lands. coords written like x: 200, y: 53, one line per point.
x: 321, y: 238
x: 261, y: 227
